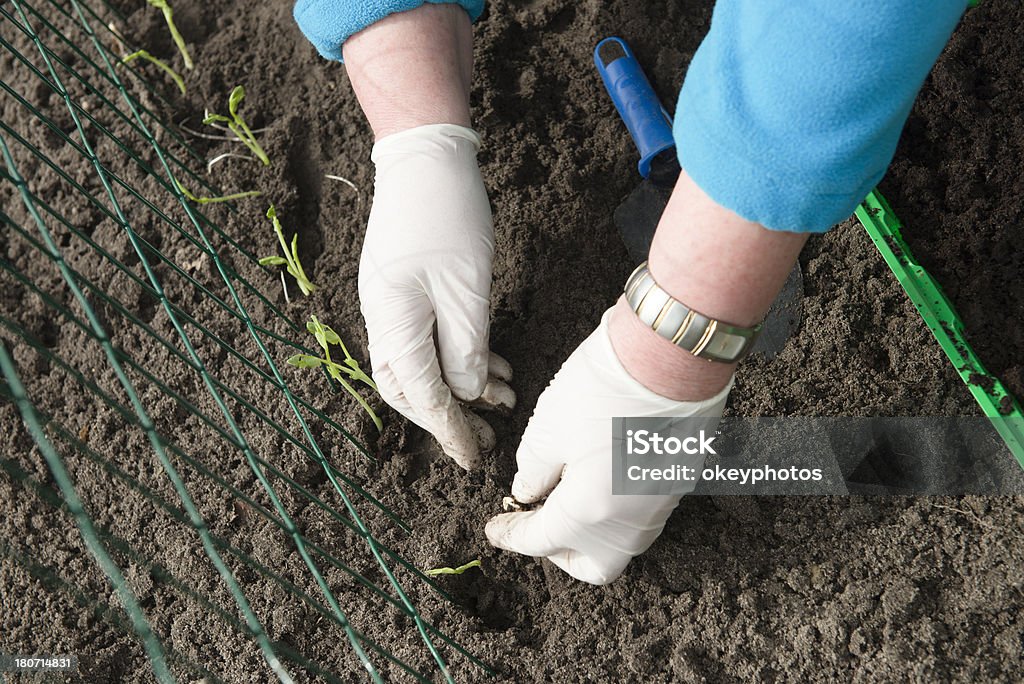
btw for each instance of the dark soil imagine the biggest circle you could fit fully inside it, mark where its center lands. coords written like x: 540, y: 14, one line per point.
x: 736, y: 589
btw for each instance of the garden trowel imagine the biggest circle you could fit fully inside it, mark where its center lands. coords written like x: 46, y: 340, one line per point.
x: 638, y: 215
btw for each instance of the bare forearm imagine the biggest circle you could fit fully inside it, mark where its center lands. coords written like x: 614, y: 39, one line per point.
x: 716, y: 263
x: 413, y: 68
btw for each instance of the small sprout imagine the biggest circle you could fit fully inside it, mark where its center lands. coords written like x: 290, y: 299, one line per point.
x: 178, y: 80
x: 325, y: 337
x: 454, y: 571
x: 291, y: 255
x: 210, y: 200
x: 175, y: 35
x: 236, y: 124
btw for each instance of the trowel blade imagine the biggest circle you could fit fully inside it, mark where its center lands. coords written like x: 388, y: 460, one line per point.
x: 637, y: 219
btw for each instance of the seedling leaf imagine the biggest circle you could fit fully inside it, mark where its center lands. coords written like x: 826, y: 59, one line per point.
x: 216, y: 118
x: 326, y: 336
x: 211, y: 200
x: 454, y: 571
x: 236, y: 124
x: 273, y: 261
x: 314, y: 326
x: 236, y: 96
x: 305, y: 361
x: 290, y: 260
x: 356, y: 373
x: 332, y: 337
x: 295, y: 268
x: 143, y: 54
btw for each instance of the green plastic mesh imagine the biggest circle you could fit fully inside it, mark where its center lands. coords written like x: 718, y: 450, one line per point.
x: 184, y: 336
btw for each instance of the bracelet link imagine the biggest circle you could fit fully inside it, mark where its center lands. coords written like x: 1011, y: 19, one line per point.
x: 701, y: 335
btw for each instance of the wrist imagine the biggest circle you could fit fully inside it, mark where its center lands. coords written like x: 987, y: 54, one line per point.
x: 716, y: 263
x: 400, y: 120
x: 413, y: 68
x: 661, y: 366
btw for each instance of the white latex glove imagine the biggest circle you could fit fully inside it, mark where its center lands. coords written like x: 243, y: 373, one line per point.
x: 425, y: 283
x: 566, y: 455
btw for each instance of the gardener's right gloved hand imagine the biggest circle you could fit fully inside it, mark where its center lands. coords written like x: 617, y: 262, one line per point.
x: 565, y: 459
x: 424, y: 287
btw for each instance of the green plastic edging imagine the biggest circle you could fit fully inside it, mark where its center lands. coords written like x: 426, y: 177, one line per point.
x: 938, y: 313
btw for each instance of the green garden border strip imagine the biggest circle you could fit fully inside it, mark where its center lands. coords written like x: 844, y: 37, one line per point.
x: 938, y: 313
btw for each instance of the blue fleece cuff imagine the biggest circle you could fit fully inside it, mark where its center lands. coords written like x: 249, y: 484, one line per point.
x: 791, y: 111
x: 328, y: 23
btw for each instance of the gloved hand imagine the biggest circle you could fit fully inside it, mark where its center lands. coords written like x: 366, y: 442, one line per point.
x: 425, y: 283
x: 566, y: 455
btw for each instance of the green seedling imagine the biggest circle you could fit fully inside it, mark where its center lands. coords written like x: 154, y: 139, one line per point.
x: 211, y: 200
x: 175, y: 34
x: 238, y: 126
x: 454, y: 571
x: 325, y: 337
x: 143, y: 54
x: 291, y: 255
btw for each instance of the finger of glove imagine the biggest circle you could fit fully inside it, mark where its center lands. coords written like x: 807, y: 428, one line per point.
x: 523, y: 532
x: 528, y: 533
x: 391, y: 392
x: 485, y: 437
x: 589, y: 570
x: 463, y: 317
x: 499, y: 368
x: 540, y: 457
x: 419, y: 377
x: 497, y: 396
x: 399, y: 323
x: 537, y: 473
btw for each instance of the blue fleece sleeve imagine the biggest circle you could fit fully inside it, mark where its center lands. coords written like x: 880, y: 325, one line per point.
x: 790, y: 111
x: 328, y: 23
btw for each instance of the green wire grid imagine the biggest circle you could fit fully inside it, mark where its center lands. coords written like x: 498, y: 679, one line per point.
x: 68, y: 49
x: 1001, y: 408
x: 85, y: 525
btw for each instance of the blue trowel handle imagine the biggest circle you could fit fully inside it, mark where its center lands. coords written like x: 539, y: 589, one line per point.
x: 639, y: 107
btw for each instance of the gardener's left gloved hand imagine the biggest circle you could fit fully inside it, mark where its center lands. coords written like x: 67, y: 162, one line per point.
x: 566, y: 455
x: 424, y: 287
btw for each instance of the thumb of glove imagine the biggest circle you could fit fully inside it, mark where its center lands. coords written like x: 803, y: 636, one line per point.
x: 522, y: 532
